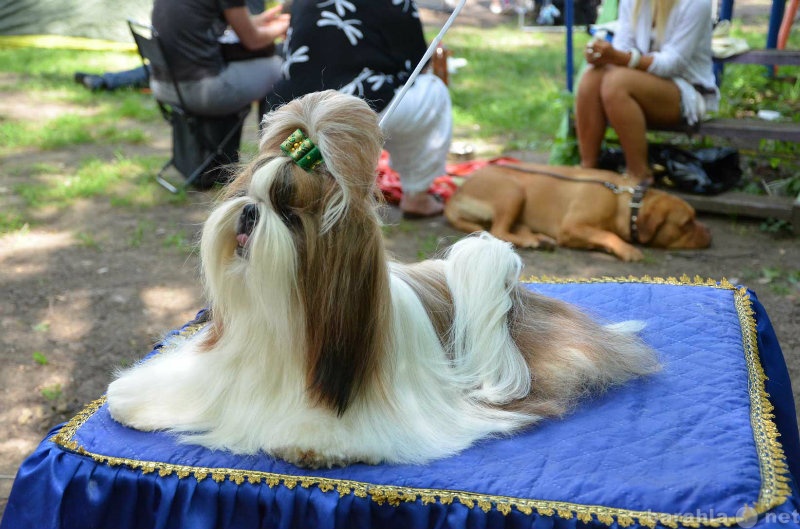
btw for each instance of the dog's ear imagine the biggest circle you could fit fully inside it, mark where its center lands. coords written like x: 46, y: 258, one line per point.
x: 345, y: 287
x: 651, y: 218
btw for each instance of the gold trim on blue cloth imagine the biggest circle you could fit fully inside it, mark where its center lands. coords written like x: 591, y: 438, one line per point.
x: 774, y: 489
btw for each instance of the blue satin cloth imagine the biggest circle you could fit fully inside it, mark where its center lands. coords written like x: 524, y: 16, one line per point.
x: 694, y: 445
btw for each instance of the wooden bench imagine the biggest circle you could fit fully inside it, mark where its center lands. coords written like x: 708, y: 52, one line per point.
x: 747, y: 205
x: 767, y: 57
x: 754, y: 129
x: 751, y: 130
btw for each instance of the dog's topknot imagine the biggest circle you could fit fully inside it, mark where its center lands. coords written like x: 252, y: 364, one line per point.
x: 343, y: 127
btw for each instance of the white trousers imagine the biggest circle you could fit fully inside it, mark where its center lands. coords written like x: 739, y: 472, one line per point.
x: 240, y: 83
x: 419, y: 132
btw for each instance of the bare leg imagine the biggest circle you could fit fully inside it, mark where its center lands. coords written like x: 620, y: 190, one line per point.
x: 634, y: 100
x: 590, y: 116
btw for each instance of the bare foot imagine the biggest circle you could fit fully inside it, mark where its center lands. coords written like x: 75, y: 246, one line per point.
x: 420, y: 205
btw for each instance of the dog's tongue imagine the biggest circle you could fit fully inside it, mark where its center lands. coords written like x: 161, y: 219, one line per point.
x: 242, y: 239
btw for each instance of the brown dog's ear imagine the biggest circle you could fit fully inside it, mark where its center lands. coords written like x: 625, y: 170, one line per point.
x: 345, y: 286
x: 651, y: 217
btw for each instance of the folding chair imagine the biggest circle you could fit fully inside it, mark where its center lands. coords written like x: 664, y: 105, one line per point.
x: 202, y: 146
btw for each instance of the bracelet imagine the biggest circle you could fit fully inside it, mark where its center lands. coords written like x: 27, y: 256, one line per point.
x: 636, y: 56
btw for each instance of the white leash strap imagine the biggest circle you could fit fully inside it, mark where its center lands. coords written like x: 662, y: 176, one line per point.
x: 428, y: 53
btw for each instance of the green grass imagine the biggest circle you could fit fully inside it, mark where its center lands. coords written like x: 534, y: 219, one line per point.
x: 46, y: 75
x: 42, y: 326
x: 512, y: 87
x: 108, y: 126
x: 428, y: 246
x: 11, y: 222
x: 143, y: 227
x: 43, y: 68
x: 93, y: 178
x: 87, y: 240
x: 781, y: 281
x: 52, y: 393
x: 179, y: 241
x: 40, y: 358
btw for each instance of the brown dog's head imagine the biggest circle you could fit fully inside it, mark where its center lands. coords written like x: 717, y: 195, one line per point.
x: 667, y: 221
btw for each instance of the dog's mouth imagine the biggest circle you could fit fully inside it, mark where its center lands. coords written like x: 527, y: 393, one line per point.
x: 244, y: 228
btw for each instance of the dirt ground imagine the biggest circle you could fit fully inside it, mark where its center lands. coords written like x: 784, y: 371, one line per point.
x: 92, y: 287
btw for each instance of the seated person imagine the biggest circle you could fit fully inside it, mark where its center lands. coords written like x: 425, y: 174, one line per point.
x: 136, y: 78
x: 190, y: 31
x: 368, y: 48
x: 139, y: 77
x: 657, y: 73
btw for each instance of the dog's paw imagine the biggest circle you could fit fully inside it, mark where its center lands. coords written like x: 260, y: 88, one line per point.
x: 547, y: 244
x: 309, y: 458
x: 131, y: 405
x: 630, y: 254
x: 541, y: 242
x: 129, y: 413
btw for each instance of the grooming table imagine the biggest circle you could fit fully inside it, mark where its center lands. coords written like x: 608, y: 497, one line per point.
x: 710, y: 441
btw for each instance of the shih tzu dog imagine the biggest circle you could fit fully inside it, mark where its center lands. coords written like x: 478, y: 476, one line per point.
x: 322, y: 351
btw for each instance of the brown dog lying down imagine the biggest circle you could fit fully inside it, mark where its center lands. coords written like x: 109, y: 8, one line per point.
x: 539, y: 206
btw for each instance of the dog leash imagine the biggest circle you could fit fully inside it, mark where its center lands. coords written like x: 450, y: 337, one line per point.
x: 428, y: 53
x: 637, y: 193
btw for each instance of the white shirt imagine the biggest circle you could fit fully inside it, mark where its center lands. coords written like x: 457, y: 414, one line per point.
x: 685, y: 52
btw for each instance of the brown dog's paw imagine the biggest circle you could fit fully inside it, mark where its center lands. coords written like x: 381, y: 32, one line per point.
x: 630, y: 254
x: 547, y: 244
x: 540, y: 242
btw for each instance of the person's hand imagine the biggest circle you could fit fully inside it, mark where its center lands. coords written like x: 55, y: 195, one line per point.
x: 273, y: 20
x: 280, y: 25
x: 599, y: 52
x: 265, y: 16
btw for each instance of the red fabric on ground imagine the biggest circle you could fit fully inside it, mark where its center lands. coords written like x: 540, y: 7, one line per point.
x: 444, y: 186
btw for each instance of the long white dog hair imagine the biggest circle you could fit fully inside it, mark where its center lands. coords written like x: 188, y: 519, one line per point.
x: 321, y: 351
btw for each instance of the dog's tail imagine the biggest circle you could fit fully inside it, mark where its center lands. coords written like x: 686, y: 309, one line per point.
x: 482, y: 272
x: 571, y: 355
x: 527, y: 352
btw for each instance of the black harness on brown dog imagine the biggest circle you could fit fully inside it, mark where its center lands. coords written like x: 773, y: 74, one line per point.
x: 637, y: 193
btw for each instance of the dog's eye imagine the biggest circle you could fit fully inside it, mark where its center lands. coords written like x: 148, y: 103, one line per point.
x: 289, y: 217
x: 282, y: 195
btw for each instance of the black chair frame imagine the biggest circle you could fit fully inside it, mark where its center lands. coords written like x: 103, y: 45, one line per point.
x: 152, y: 53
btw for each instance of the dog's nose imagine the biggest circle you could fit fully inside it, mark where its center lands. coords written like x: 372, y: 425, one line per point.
x: 248, y: 219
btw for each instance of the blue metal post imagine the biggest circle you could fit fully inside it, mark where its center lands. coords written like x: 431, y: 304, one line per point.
x: 568, y: 19
x: 725, y: 10
x: 725, y: 13
x: 775, y: 19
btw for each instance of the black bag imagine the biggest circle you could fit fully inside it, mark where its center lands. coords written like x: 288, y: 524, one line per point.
x: 189, y: 150
x: 707, y: 171
x: 611, y: 159
x: 722, y: 166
